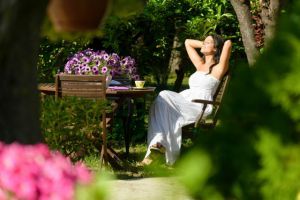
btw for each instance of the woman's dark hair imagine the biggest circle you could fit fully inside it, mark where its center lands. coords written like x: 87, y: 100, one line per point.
x: 218, y: 43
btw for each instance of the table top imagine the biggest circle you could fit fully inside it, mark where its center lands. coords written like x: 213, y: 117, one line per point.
x: 49, y: 88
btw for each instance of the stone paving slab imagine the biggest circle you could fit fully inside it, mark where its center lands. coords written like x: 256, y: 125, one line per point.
x: 162, y: 188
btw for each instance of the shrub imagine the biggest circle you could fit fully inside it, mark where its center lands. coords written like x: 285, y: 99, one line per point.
x: 72, y: 125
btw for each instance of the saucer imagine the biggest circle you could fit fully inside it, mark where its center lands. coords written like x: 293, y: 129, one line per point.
x: 136, y: 88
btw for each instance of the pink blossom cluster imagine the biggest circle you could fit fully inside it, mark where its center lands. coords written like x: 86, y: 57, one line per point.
x: 30, y: 172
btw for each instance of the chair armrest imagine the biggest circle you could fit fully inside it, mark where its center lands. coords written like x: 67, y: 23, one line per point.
x: 205, y: 101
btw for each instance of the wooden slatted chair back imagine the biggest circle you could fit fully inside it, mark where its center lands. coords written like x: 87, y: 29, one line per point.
x: 211, y: 120
x: 218, y: 97
x: 87, y: 86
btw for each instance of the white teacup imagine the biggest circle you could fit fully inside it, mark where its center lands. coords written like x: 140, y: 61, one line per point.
x: 139, y: 84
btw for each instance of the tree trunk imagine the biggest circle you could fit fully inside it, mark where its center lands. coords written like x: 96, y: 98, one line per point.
x: 175, y: 63
x: 242, y: 10
x: 20, y: 23
x: 180, y: 75
x: 175, y: 58
x: 269, y: 12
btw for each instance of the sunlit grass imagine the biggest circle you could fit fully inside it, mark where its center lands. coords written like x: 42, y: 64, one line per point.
x: 131, y: 163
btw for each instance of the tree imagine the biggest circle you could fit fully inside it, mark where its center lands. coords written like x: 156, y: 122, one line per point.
x: 242, y: 9
x: 20, y: 23
x: 158, y: 34
x: 268, y: 11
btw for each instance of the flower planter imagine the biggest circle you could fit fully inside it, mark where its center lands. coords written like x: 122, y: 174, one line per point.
x: 76, y: 15
x: 89, y: 62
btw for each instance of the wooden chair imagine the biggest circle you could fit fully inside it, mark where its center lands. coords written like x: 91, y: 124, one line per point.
x: 211, y: 120
x: 90, y: 87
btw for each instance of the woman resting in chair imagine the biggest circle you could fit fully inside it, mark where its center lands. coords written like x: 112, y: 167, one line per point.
x: 171, y: 111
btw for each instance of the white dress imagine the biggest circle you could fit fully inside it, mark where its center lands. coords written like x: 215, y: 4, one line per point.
x: 171, y: 111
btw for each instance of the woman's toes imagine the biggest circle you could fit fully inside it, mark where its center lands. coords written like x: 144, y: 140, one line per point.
x: 145, y: 162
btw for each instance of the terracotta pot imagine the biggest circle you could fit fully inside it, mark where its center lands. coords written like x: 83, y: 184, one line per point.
x: 76, y: 15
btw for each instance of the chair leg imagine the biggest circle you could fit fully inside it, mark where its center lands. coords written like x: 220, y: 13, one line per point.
x: 102, y: 159
x: 108, y: 155
x: 103, y: 156
x: 113, y: 155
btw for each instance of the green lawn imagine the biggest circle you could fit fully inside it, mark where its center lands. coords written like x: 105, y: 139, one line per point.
x: 131, y: 168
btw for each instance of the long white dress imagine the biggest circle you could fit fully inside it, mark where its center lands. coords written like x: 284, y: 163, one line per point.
x: 171, y: 111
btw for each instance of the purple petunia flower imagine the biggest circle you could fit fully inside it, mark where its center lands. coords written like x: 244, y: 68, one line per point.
x: 85, y: 59
x: 95, y: 68
x: 97, y: 62
x: 93, y: 62
x: 123, y: 62
x: 104, y: 70
x: 87, y: 69
x: 112, y: 73
x: 105, y: 56
x: 136, y: 77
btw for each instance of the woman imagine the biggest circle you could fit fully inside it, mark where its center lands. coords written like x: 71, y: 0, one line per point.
x: 171, y: 111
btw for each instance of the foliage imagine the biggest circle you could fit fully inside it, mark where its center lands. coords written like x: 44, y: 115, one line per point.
x: 53, y: 56
x: 138, y: 124
x: 255, y: 6
x: 123, y: 8
x: 256, y: 148
x: 211, y: 18
x: 97, y: 189
x: 72, y: 125
x: 194, y: 176
x: 149, y: 36
x: 280, y: 167
x: 38, y: 173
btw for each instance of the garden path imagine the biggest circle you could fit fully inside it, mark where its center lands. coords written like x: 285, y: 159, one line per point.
x: 164, y: 188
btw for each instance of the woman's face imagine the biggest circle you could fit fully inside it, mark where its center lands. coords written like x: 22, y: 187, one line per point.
x: 208, y: 47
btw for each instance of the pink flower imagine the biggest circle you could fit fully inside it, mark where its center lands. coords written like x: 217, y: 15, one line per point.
x: 34, y: 172
x: 27, y: 190
x: 83, y: 174
x: 2, y: 194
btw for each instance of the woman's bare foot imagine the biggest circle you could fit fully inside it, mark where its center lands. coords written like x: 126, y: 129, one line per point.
x: 158, y: 147
x: 147, y: 161
x: 157, y: 150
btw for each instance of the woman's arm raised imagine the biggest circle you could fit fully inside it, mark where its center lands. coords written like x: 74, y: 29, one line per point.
x: 191, y: 46
x: 225, y: 55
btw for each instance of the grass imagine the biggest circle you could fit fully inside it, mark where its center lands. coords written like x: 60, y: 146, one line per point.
x: 131, y: 168
x: 130, y: 165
